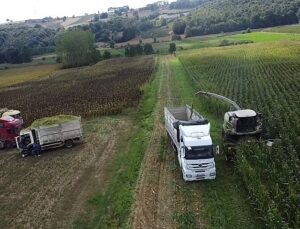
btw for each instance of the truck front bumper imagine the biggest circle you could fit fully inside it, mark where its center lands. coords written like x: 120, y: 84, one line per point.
x: 209, y: 174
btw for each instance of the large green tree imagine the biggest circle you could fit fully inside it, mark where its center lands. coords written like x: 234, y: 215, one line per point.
x: 76, y: 48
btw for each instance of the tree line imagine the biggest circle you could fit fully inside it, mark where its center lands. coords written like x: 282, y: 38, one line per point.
x: 19, y: 43
x: 216, y: 16
x: 185, y: 4
x: 117, y: 29
x: 138, y: 50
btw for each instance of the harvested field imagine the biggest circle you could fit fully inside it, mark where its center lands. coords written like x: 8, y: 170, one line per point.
x: 17, y: 75
x: 104, y: 88
x: 52, y: 191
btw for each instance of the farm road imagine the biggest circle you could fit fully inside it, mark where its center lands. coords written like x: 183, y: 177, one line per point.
x: 160, y: 199
x: 52, y: 190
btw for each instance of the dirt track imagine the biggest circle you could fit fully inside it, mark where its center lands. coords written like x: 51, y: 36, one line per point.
x: 51, y: 191
x: 159, y: 194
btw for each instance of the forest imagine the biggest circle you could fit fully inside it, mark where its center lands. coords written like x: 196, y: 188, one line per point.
x: 218, y: 16
x: 118, y: 29
x: 19, y: 43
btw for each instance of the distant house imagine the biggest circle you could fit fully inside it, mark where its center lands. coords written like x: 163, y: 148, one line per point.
x: 37, y: 21
x: 161, y: 3
x: 34, y: 21
x: 117, y: 10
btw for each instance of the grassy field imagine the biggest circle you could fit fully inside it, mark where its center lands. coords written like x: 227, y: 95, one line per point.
x: 263, y: 77
x: 285, y: 29
x: 20, y: 74
x: 45, y: 59
x: 162, y: 46
x: 264, y: 37
x: 215, y: 40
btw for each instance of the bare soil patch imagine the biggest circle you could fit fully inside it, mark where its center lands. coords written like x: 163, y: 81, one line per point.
x: 51, y: 191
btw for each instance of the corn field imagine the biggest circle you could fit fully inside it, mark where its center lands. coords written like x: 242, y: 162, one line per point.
x: 264, y: 77
x: 105, y: 88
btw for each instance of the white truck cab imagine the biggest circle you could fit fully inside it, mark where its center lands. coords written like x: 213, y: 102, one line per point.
x: 189, y: 134
x: 196, y: 155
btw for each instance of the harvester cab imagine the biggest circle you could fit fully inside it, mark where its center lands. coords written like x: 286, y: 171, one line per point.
x: 242, y: 122
x: 239, y: 125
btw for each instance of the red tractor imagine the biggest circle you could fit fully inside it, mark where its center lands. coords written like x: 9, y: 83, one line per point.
x: 9, y: 129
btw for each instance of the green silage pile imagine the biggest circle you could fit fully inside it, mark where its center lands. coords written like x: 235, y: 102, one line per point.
x: 58, y: 119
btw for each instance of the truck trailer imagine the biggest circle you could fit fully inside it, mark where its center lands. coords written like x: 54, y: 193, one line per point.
x: 189, y: 135
x: 49, y: 136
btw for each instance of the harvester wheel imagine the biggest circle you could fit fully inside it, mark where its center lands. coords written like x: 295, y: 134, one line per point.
x: 228, y: 157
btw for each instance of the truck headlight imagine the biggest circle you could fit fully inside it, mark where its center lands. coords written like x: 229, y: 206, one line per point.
x: 188, y: 176
x: 212, y: 174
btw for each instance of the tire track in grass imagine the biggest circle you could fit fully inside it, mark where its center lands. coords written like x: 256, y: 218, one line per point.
x: 147, y: 212
x: 161, y: 199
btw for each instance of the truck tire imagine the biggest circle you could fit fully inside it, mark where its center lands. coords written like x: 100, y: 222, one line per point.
x: 69, y: 143
x: 2, y: 145
x: 7, y: 145
x: 25, y: 153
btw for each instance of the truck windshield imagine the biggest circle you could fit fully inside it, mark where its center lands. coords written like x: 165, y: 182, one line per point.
x: 199, y: 152
x: 25, y: 140
x: 247, y: 124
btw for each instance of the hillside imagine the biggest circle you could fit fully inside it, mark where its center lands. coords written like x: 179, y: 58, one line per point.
x: 215, y: 16
x: 19, y: 41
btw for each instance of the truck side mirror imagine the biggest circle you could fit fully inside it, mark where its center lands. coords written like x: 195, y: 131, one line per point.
x: 216, y: 149
x: 182, y: 154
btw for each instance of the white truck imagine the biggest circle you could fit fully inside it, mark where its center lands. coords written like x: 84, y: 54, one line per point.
x: 49, y: 136
x: 189, y: 134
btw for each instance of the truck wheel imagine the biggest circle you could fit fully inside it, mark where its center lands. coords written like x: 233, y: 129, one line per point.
x: 2, y: 145
x: 7, y: 145
x: 69, y: 143
x: 24, y: 153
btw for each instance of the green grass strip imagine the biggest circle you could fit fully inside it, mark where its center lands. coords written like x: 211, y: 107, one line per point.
x: 114, y: 206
